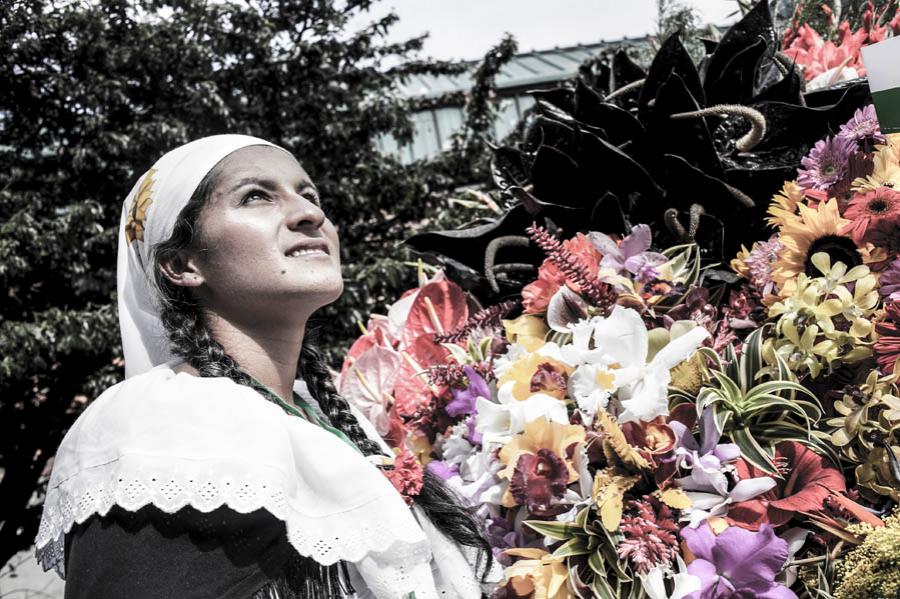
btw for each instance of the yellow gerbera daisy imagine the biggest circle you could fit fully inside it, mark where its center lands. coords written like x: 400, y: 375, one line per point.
x: 886, y: 172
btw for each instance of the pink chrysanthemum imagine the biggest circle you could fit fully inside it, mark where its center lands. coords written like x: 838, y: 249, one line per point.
x: 759, y: 262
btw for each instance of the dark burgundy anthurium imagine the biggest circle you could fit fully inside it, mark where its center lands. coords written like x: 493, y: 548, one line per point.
x: 807, y: 482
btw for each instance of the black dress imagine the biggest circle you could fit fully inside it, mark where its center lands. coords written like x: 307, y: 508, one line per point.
x: 150, y: 554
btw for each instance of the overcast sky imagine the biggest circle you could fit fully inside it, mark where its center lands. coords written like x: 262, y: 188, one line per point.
x: 466, y: 29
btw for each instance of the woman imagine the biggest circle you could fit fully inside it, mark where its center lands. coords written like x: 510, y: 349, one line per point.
x: 211, y: 471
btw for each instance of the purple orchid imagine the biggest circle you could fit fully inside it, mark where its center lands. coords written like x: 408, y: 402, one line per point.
x: 631, y: 254
x: 688, y: 452
x: 708, y: 482
x: 472, y: 435
x: 464, y: 399
x: 442, y: 470
x: 737, y: 563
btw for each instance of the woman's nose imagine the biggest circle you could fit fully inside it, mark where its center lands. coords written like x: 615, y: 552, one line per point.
x: 304, y: 212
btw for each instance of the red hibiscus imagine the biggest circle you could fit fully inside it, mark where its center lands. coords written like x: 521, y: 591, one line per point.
x: 808, y: 481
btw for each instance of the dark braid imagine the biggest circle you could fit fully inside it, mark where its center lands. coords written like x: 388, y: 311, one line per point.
x: 185, y: 325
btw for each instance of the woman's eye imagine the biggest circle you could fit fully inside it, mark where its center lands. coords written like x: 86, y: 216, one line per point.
x: 253, y: 195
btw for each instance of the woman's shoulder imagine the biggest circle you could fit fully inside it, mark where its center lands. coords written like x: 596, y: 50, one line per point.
x: 161, y: 409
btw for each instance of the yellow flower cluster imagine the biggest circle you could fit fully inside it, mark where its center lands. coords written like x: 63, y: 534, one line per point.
x: 822, y: 323
x: 873, y: 568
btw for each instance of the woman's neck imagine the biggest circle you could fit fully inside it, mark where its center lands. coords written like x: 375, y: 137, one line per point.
x: 269, y: 353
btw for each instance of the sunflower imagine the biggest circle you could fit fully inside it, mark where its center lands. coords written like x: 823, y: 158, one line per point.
x: 784, y: 204
x: 812, y: 230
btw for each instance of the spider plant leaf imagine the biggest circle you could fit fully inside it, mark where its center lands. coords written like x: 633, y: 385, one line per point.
x: 752, y: 451
x: 560, y: 531
x: 596, y: 563
x: 572, y: 547
x: 770, y: 403
x: 602, y: 589
x: 777, y: 388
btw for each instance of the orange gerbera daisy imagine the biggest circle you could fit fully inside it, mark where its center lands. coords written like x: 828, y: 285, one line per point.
x: 874, y: 216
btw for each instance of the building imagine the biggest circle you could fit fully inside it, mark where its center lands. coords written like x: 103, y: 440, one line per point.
x: 531, y: 70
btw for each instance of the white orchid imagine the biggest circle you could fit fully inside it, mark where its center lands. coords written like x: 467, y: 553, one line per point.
x: 642, y: 386
x: 707, y: 505
x: 654, y: 584
x: 498, y: 422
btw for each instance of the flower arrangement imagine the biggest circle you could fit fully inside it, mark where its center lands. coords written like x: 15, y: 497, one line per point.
x: 630, y: 426
x: 825, y: 62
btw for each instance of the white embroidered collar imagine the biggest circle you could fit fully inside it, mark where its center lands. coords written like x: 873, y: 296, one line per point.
x: 174, y: 439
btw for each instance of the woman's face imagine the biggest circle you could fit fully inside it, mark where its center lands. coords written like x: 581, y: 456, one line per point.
x: 264, y: 243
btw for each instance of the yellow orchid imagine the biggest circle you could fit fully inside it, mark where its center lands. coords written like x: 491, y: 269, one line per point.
x: 535, y: 373
x: 526, y: 330
x: 538, y: 575
x: 539, y: 434
x: 822, y: 321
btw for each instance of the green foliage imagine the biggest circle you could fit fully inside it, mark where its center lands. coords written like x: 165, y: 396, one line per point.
x: 758, y: 406
x: 591, y: 550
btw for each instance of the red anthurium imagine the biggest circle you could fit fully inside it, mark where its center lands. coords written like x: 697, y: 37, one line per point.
x: 439, y: 307
x: 808, y: 481
x: 411, y: 392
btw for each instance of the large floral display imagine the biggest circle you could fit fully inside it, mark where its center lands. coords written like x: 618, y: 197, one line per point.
x: 669, y: 369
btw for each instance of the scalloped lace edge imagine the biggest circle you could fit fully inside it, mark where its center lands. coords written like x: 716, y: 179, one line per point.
x: 349, y: 535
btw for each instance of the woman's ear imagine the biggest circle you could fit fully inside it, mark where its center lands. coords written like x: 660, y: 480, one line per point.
x: 180, y: 268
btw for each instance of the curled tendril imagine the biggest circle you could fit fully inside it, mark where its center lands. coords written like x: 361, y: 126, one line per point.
x: 670, y: 217
x: 756, y: 118
x: 490, y: 258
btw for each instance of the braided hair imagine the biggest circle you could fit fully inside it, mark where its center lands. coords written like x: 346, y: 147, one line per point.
x: 185, y: 324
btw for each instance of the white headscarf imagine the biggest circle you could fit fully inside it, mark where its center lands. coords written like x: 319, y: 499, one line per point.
x: 148, y: 218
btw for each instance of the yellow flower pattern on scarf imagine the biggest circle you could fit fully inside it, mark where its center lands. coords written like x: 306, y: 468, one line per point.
x: 134, y: 226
